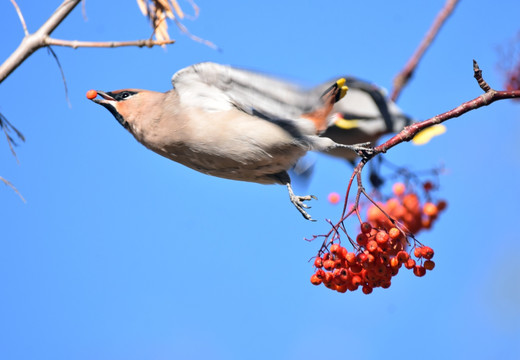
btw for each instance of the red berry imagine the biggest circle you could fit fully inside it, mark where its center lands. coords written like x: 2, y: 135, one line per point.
x: 356, y: 280
x: 409, y: 264
x: 342, y: 288
x: 429, y: 265
x: 418, y: 252
x: 430, y: 209
x: 427, y: 252
x: 351, y: 258
x: 366, y: 227
x: 315, y: 280
x: 419, y: 270
x: 334, y: 198
x: 382, y: 237
x: 356, y: 268
x: 394, y: 262
x: 366, y: 289
x: 342, y: 253
x: 327, y: 279
x: 386, y: 284
x: 398, y: 189
x: 334, y: 248
x: 394, y: 233
x: 318, y: 262
x: 91, y: 94
x: 403, y: 256
x: 362, y: 257
x: 372, y: 246
x: 329, y: 264
x: 361, y: 239
x: 341, y: 276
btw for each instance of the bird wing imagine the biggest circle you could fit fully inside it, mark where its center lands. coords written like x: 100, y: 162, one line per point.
x: 216, y: 87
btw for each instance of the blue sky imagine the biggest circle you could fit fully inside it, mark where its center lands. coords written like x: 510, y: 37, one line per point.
x: 121, y: 254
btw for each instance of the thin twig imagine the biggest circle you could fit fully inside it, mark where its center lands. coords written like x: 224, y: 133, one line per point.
x: 106, y: 44
x: 62, y: 75
x: 185, y: 30
x: 84, y: 9
x: 407, y: 72
x: 20, y: 15
x: 7, y: 127
x: 196, y: 10
x: 8, y: 183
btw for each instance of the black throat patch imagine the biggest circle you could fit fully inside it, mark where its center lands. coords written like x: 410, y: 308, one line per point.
x: 117, y: 115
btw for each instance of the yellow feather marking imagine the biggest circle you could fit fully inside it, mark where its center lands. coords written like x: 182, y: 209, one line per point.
x: 343, y: 92
x: 424, y: 136
x: 345, y: 124
x: 341, y: 82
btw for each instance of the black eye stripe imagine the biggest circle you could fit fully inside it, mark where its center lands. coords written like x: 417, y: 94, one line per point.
x: 122, y: 95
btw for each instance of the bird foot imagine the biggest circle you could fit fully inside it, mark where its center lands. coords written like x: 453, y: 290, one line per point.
x: 298, y: 202
x: 363, y: 149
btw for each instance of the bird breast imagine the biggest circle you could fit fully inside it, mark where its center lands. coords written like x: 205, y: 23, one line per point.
x: 228, y: 144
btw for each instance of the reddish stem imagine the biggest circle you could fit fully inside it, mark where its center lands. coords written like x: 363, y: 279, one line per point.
x: 406, y: 73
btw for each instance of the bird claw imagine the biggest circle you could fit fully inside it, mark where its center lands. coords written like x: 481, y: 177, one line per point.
x: 298, y: 202
x: 363, y: 149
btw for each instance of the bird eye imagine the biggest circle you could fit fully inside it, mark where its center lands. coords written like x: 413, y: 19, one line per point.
x: 123, y: 95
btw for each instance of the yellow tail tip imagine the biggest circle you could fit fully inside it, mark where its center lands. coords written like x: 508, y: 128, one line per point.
x: 424, y: 136
x: 343, y: 91
x: 341, y: 82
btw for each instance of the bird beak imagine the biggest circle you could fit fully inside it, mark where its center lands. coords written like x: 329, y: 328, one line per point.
x: 105, y: 96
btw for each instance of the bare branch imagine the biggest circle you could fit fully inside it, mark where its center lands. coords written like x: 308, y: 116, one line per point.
x: 41, y: 38
x: 487, y: 98
x: 20, y: 15
x: 106, y: 44
x: 33, y: 42
x: 407, y: 72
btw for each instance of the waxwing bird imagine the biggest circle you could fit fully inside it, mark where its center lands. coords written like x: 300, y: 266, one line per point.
x: 231, y: 123
x: 364, y: 115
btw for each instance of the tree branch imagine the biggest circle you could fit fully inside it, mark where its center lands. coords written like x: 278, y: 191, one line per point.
x: 490, y: 95
x: 33, y: 42
x: 407, y: 72
x: 485, y: 99
x: 105, y: 44
x: 41, y: 38
x: 20, y: 15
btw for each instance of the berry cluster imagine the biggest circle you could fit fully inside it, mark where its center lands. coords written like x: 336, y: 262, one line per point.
x: 405, y: 207
x: 380, y: 248
x: 379, y: 256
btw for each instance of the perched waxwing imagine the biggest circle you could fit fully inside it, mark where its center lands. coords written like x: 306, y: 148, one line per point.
x: 231, y: 123
x: 364, y: 115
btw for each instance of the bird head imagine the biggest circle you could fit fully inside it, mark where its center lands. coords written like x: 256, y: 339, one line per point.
x: 121, y: 103
x: 132, y: 108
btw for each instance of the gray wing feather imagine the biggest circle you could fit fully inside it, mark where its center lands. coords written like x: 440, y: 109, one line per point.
x: 216, y: 87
